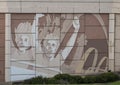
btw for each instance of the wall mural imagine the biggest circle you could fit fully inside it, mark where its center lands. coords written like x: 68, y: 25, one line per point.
x: 2, y: 47
x: 48, y: 44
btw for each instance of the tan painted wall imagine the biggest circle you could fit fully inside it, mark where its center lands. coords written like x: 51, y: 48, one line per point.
x: 60, y: 6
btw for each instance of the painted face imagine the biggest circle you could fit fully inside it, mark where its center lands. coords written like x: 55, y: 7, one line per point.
x: 23, y: 43
x: 50, y: 47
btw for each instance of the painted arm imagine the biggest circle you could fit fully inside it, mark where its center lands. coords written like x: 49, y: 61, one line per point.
x: 35, y: 29
x: 71, y: 42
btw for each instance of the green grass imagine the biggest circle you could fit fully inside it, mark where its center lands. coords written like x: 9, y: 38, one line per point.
x: 112, y: 83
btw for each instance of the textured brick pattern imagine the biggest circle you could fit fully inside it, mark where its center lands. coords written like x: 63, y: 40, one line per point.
x: 60, y: 6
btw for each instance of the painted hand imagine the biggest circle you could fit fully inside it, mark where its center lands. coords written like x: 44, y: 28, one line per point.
x: 76, y: 23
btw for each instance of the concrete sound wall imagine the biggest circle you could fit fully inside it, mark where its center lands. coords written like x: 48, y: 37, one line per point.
x: 47, y: 37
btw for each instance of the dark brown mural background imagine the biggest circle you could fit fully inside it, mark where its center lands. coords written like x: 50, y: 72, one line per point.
x: 48, y: 44
x: 2, y: 47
